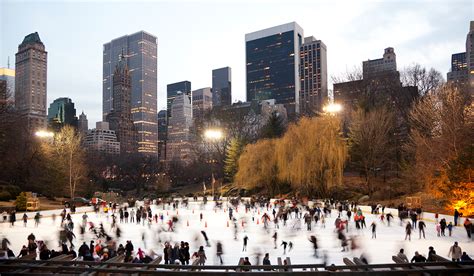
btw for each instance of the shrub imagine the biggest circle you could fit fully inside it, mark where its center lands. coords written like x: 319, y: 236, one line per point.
x: 20, y: 202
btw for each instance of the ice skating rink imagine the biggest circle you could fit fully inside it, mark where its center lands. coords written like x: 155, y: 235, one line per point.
x: 216, y: 224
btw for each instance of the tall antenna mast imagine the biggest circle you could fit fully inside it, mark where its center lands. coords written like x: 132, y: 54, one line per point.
x: 8, y: 62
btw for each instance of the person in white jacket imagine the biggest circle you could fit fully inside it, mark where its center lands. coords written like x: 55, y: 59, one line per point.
x: 455, y: 252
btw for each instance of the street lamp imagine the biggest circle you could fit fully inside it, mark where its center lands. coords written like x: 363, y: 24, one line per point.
x: 332, y: 108
x: 44, y: 134
x: 213, y: 134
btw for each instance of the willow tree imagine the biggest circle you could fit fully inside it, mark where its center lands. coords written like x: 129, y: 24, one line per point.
x: 257, y: 167
x: 311, y: 155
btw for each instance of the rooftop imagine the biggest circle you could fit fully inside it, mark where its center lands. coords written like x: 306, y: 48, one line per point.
x: 31, y: 39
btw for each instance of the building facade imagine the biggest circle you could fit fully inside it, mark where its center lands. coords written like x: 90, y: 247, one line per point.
x: 102, y: 140
x: 272, y: 65
x: 31, y: 82
x: 8, y: 75
x: 179, y: 140
x: 202, y: 102
x: 61, y: 112
x: 222, y: 87
x: 83, y: 124
x: 172, y: 91
x: 458, y: 72
x: 140, y: 52
x: 377, y: 67
x: 313, y: 76
x: 120, y: 117
x: 162, y: 130
x: 470, y: 57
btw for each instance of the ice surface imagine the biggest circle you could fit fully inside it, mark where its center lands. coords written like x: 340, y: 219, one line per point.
x: 389, y: 239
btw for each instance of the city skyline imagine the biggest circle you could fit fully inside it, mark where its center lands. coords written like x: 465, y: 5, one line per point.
x: 427, y: 35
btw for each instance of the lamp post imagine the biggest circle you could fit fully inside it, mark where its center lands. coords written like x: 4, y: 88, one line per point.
x: 213, y: 135
x: 332, y: 108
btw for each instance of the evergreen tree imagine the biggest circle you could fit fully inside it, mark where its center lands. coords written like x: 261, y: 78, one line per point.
x: 274, y: 128
x: 234, y: 149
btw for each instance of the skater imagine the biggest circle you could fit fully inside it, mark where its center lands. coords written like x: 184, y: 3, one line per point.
x: 450, y: 228
x: 314, y: 241
x: 25, y: 219
x: 201, y: 255
x: 275, y: 240
x: 468, y: 227
x: 245, y: 243
x: 205, y: 238
x: 455, y: 252
x: 408, y: 231
x: 456, y: 217
x: 421, y: 228
x: 284, y: 244
x: 443, y: 224
x: 438, y: 229
x: 219, y: 252
x: 12, y: 218
x: 402, y: 255
x: 389, y: 218
x: 200, y: 217
x: 373, y: 226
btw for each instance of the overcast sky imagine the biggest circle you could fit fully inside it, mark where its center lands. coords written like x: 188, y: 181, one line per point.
x: 195, y: 37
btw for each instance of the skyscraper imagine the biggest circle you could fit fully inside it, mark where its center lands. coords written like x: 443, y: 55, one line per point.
x: 179, y: 141
x: 202, y: 101
x: 221, y: 87
x: 61, y: 112
x: 458, y: 72
x: 140, y: 53
x: 120, y: 117
x: 162, y: 130
x: 31, y: 81
x: 272, y: 65
x: 313, y: 75
x: 172, y: 91
x: 83, y: 124
x: 8, y: 75
x: 470, y: 57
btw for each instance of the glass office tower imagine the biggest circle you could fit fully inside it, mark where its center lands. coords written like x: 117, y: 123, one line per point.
x: 140, y: 52
x: 221, y: 87
x: 272, y: 65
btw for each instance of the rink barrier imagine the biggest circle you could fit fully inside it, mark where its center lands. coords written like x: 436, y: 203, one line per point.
x: 17, y: 266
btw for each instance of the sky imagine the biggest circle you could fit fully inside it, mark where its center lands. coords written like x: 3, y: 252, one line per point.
x: 195, y: 37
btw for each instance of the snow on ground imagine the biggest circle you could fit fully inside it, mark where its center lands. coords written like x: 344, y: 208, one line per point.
x: 389, y: 239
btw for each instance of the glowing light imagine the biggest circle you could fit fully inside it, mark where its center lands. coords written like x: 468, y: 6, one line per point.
x: 332, y: 108
x: 213, y: 134
x: 44, y: 134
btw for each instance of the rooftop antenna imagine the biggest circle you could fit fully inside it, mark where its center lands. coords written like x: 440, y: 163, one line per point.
x: 8, y: 62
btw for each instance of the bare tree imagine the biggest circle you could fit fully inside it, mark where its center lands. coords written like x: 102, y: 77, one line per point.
x: 370, y: 141
x: 425, y: 80
x: 442, y: 127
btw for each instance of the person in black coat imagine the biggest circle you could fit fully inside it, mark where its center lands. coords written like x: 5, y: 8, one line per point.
x: 418, y: 258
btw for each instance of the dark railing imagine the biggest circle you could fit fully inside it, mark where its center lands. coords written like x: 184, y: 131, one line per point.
x: 18, y: 266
